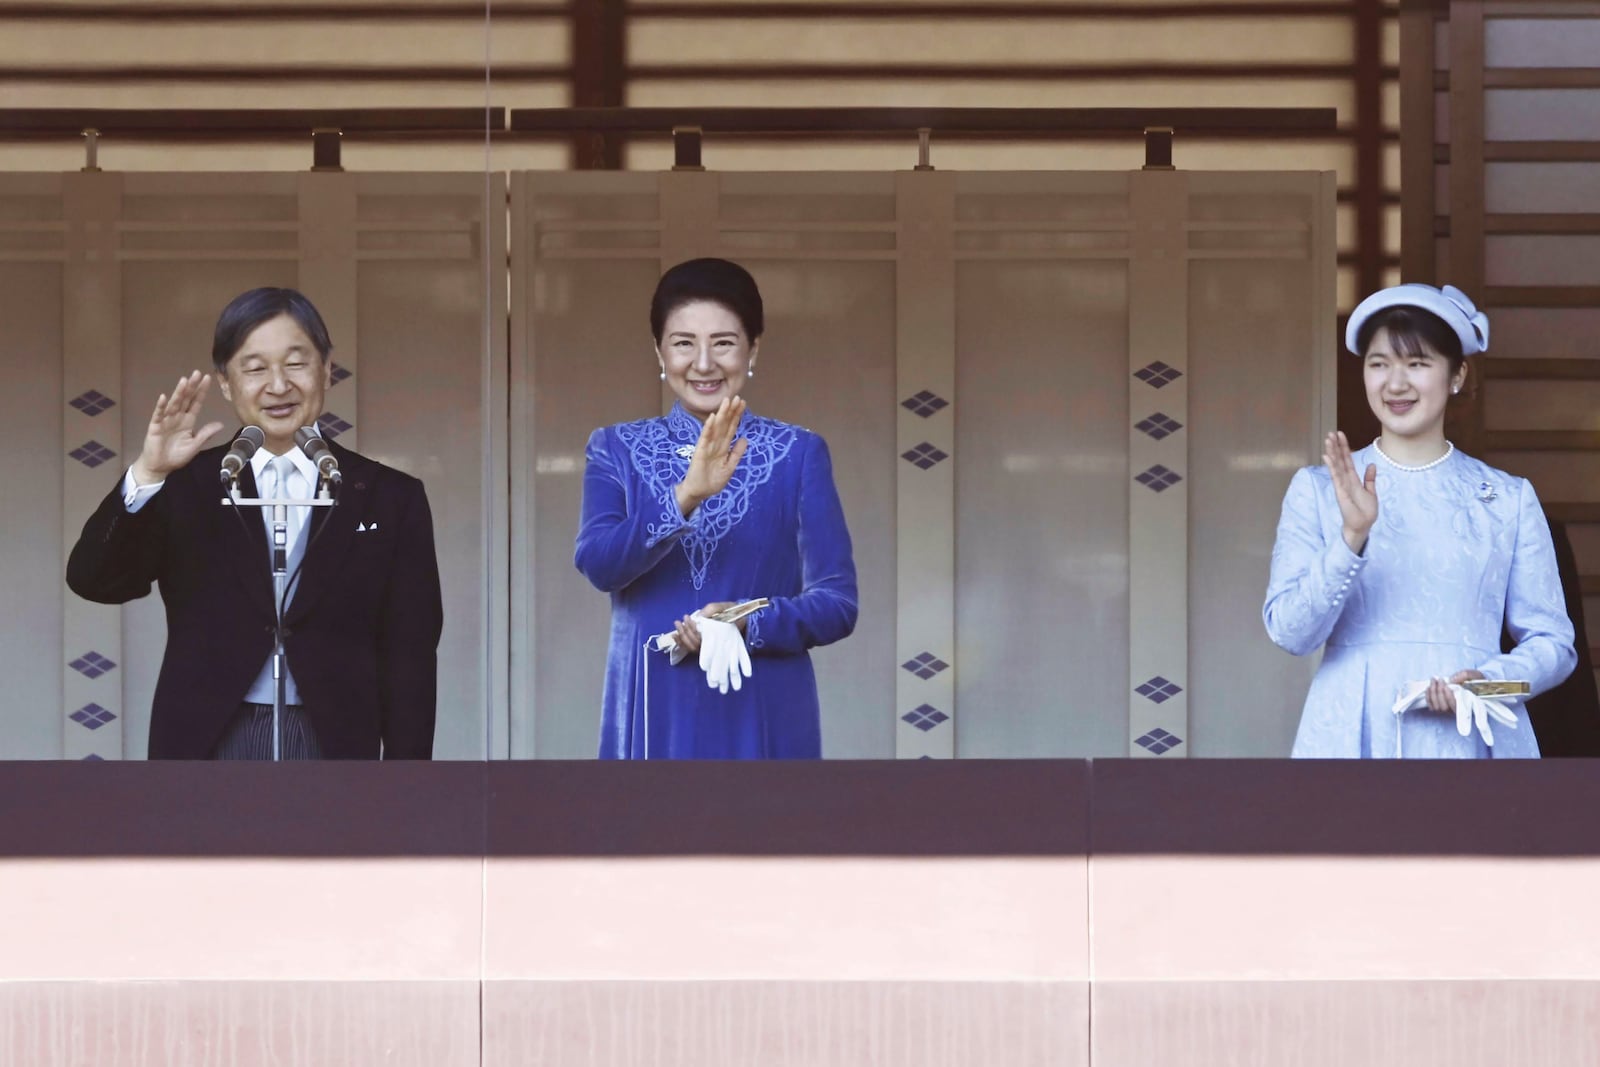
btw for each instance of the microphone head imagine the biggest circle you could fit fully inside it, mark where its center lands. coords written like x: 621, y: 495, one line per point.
x: 308, y: 440
x: 244, y: 446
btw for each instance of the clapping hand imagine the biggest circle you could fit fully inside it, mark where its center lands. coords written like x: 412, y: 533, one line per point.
x: 716, y: 457
x: 171, y: 440
x: 1357, y: 494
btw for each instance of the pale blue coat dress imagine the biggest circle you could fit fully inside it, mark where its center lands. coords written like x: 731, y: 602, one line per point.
x: 1457, y: 549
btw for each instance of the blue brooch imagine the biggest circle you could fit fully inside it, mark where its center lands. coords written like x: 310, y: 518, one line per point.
x: 1486, y: 492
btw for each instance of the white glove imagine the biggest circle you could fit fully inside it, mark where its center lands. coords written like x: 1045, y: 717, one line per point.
x: 1470, y: 709
x: 723, y: 655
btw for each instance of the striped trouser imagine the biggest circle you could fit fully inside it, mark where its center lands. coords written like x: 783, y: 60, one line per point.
x: 249, y: 735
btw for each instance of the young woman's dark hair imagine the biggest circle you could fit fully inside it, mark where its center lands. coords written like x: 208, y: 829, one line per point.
x: 716, y: 280
x: 1409, y: 328
x: 249, y: 310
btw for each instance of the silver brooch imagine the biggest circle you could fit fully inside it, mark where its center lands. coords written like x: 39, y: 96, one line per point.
x: 1486, y: 492
x: 687, y: 452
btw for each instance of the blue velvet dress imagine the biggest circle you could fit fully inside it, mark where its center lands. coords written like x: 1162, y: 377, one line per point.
x: 777, y: 530
x: 1456, y: 550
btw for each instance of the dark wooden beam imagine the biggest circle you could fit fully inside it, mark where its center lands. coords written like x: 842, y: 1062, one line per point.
x: 1543, y: 369
x: 251, y: 122
x: 268, y: 11
x: 1529, y: 78
x: 599, y: 77
x: 1054, y: 122
x: 280, y: 73
x: 1354, y: 414
x: 1418, y: 31
x: 1541, y: 440
x: 1530, y: 223
x: 1465, y: 36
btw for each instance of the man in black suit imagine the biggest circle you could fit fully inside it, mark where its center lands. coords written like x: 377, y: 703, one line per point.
x: 363, y: 615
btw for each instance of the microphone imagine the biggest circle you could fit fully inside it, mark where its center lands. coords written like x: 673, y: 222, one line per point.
x: 318, y: 452
x: 244, y: 446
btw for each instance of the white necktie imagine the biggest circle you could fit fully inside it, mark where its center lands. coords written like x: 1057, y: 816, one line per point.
x: 285, y: 482
x: 281, y: 480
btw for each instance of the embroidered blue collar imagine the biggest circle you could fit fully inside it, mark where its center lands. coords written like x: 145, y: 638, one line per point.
x: 661, y: 449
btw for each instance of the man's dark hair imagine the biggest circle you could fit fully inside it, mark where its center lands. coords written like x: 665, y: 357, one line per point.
x: 247, y: 311
x: 716, y: 280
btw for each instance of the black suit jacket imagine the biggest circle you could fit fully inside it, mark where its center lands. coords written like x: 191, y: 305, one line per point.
x: 362, y: 627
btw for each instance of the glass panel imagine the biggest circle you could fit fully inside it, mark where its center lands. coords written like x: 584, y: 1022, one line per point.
x: 1542, y: 259
x: 1559, y: 42
x: 1542, y: 333
x: 1042, y: 522
x: 1555, y: 188
x: 1541, y: 114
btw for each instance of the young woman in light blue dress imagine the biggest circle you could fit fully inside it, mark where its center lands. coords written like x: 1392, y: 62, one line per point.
x: 1402, y: 560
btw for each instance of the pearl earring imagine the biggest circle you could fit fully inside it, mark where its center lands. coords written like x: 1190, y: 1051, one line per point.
x: 1455, y: 390
x: 751, y: 373
x: 663, y: 375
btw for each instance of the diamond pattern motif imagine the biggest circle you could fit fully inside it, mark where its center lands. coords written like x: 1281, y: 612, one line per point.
x: 1158, y: 426
x: 92, y: 665
x: 924, y: 717
x: 92, y: 403
x: 1158, y: 690
x: 332, y: 425
x: 92, y: 453
x: 1157, y: 374
x: 91, y: 716
x: 924, y: 456
x: 1158, y: 741
x: 925, y: 665
x: 338, y: 374
x: 92, y: 758
x: 924, y: 403
x: 1158, y: 478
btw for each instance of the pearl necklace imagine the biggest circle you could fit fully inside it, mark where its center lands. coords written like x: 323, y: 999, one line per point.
x: 1449, y: 450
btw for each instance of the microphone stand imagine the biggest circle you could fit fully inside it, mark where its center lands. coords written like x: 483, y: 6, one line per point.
x: 280, y: 583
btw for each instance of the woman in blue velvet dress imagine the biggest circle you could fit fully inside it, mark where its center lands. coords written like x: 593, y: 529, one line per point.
x: 1415, y: 588
x: 709, y: 506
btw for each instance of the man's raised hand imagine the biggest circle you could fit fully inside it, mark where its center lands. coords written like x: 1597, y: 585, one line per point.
x: 171, y: 440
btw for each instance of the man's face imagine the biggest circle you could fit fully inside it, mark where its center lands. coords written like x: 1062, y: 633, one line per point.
x: 276, y: 381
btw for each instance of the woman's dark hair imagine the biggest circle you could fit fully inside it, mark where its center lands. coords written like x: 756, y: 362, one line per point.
x: 716, y: 280
x: 249, y: 310
x: 1409, y: 328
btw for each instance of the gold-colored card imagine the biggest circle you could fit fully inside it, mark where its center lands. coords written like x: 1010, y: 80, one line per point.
x: 739, y: 611
x: 1489, y: 687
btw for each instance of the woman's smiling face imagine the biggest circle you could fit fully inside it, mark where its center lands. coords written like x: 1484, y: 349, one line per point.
x: 705, y: 354
x: 1408, y: 392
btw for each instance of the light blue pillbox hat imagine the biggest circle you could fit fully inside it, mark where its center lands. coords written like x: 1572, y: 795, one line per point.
x: 1449, y: 304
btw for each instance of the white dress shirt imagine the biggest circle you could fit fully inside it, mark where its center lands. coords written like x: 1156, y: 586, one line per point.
x: 302, y: 481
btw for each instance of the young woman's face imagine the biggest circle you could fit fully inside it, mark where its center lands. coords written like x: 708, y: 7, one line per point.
x: 1408, y: 393
x: 705, y: 355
